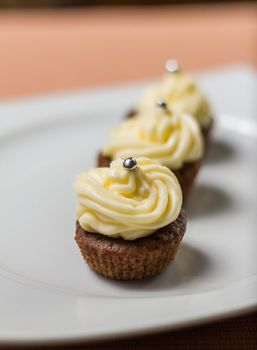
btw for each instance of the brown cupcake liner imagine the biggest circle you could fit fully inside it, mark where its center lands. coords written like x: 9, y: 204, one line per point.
x: 207, y: 135
x: 186, y: 174
x: 131, y: 260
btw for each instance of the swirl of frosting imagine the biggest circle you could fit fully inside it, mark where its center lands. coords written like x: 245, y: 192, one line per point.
x: 181, y: 94
x: 171, y: 139
x: 117, y: 202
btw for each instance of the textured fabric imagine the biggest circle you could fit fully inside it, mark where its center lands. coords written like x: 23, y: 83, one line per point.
x: 234, y: 334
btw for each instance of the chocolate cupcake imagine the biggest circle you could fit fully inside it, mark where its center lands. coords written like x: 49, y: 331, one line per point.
x: 174, y: 140
x: 181, y: 94
x: 130, y: 221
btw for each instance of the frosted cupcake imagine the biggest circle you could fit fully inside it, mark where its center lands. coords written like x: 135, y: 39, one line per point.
x: 130, y: 221
x: 174, y: 140
x: 181, y: 94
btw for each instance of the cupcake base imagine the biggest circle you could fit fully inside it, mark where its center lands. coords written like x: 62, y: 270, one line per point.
x: 185, y: 175
x: 207, y: 135
x: 131, y: 260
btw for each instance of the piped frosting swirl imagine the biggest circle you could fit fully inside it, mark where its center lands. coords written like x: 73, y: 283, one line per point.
x: 117, y: 202
x: 160, y: 134
x: 181, y: 94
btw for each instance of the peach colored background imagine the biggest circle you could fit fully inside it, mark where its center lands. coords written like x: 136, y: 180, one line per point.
x: 43, y: 51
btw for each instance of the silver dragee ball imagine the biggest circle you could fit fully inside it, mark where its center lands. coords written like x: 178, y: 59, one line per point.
x: 161, y: 103
x: 172, y: 66
x: 130, y: 163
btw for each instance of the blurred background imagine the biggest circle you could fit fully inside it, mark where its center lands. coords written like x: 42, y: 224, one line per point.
x: 53, y: 45
x: 70, y: 3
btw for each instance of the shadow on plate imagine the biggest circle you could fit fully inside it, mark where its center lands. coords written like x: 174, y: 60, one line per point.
x: 219, y: 151
x: 189, y: 264
x: 207, y: 200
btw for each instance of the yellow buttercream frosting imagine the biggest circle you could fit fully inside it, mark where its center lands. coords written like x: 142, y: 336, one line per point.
x: 169, y: 138
x: 181, y: 94
x: 118, y: 202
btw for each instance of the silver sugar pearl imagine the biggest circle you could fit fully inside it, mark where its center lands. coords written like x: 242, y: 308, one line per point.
x: 161, y: 103
x: 172, y: 66
x: 130, y: 163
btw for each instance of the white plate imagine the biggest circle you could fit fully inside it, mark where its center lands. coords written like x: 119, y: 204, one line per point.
x: 47, y: 293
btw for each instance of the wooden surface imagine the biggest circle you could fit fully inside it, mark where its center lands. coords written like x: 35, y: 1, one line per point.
x: 47, y: 51
x: 44, y: 51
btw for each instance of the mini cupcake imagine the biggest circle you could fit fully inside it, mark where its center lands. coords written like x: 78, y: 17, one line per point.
x: 181, y: 94
x: 174, y: 140
x: 130, y: 221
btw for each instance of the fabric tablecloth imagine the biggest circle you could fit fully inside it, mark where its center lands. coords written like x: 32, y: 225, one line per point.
x: 238, y: 333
